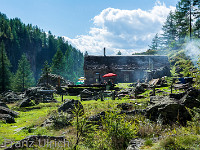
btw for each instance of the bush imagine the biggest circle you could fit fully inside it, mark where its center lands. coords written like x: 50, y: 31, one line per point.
x: 148, y: 142
x: 61, y: 120
x: 117, y: 131
x: 169, y: 143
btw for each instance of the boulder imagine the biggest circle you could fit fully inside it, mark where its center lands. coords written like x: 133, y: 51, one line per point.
x: 96, y: 119
x: 191, y: 98
x: 89, y: 95
x: 53, y: 80
x: 33, y: 91
x: 10, y: 97
x: 3, y: 104
x: 4, y: 110
x: 125, y: 106
x: 168, y: 109
x: 135, y: 144
x: 70, y: 105
x: 134, y: 112
x: 26, y: 102
x: 8, y: 118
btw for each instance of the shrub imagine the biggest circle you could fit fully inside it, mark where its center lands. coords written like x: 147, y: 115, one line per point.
x: 117, y: 131
x: 148, y: 142
x: 61, y: 120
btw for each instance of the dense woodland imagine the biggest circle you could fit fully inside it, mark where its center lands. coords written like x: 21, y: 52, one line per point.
x: 29, y: 44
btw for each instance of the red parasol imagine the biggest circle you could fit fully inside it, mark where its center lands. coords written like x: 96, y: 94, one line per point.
x: 109, y: 75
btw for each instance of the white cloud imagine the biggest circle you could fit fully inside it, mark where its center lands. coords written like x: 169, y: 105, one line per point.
x: 125, y: 30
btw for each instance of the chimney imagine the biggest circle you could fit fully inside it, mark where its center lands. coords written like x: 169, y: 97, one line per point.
x: 104, y: 51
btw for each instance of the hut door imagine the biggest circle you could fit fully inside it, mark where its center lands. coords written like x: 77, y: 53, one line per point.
x: 126, y: 77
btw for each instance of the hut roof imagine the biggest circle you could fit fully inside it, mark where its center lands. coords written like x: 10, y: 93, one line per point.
x: 125, y: 62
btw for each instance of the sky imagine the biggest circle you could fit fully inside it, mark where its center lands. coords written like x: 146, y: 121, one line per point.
x: 90, y: 25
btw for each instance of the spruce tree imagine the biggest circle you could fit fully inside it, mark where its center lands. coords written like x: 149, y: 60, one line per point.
x: 46, y: 71
x: 24, y: 76
x: 169, y: 31
x: 119, y: 53
x: 58, y: 63
x: 5, y: 74
x: 155, y: 43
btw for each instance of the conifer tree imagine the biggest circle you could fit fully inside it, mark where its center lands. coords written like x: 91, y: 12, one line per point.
x: 46, y: 71
x: 58, y: 63
x: 119, y: 53
x: 24, y: 76
x: 169, y: 31
x: 5, y: 74
x: 155, y: 43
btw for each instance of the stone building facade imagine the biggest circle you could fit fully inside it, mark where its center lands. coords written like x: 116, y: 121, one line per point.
x: 128, y: 68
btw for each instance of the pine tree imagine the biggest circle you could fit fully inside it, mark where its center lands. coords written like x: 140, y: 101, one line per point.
x: 58, y: 63
x: 5, y: 74
x: 119, y: 53
x: 155, y: 43
x: 46, y: 71
x: 169, y: 28
x: 24, y: 76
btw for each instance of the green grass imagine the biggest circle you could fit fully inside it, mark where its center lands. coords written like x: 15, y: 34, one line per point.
x: 28, y: 119
x: 123, y: 85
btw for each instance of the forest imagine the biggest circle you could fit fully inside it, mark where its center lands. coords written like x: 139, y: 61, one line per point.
x: 28, y: 46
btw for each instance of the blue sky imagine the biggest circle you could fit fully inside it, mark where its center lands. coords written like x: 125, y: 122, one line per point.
x: 93, y: 24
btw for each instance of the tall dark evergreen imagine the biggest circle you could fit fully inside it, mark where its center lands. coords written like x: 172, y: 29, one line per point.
x: 58, y: 63
x: 5, y: 74
x: 46, y: 71
x: 24, y: 76
x: 169, y: 36
x: 155, y: 44
x: 119, y: 53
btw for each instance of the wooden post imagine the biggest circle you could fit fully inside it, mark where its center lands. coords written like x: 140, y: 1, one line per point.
x: 101, y: 94
x: 171, y: 88
x: 113, y: 95
x: 154, y: 91
x: 135, y: 93
x: 81, y: 96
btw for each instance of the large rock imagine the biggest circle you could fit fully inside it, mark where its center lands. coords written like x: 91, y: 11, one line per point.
x: 4, y: 110
x: 135, y: 144
x: 96, y: 119
x: 191, y: 98
x: 8, y: 118
x: 167, y: 109
x: 3, y: 104
x: 89, y: 95
x: 26, y: 102
x: 53, y: 80
x: 10, y: 97
x: 125, y: 106
x: 70, y: 105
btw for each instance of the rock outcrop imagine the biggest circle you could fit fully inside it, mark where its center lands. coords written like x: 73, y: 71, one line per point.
x: 168, y: 109
x: 26, y: 102
x: 7, y: 114
x: 125, y: 106
x: 10, y: 97
x: 70, y: 105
